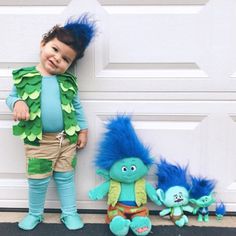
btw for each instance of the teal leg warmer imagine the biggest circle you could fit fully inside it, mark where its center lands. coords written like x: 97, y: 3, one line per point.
x: 37, y: 195
x: 66, y: 190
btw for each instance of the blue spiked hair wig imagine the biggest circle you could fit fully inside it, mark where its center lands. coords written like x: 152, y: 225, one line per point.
x: 170, y: 175
x: 201, y: 187
x: 120, y: 141
x: 76, y: 33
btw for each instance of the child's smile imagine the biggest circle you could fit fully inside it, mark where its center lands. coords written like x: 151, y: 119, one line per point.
x: 55, y: 57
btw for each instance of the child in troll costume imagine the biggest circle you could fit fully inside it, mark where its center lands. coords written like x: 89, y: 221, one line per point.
x: 201, y: 195
x: 173, y: 191
x: 124, y: 161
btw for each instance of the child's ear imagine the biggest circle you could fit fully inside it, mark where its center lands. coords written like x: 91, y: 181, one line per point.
x: 42, y: 43
x: 160, y: 194
x: 104, y: 173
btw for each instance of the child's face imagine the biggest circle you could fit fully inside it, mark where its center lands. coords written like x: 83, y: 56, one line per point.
x: 55, y: 57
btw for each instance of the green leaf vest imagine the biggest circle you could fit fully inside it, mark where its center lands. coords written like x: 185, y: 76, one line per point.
x: 140, y: 192
x: 28, y: 84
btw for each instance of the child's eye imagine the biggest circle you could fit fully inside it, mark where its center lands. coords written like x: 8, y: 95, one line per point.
x: 66, y: 60
x: 54, y: 49
x: 124, y: 169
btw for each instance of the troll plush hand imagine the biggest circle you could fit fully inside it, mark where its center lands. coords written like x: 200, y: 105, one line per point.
x: 152, y: 194
x: 99, y: 192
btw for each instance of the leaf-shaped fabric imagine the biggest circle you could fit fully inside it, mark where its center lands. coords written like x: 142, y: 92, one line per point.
x: 18, y: 130
x: 34, y: 95
x: 71, y: 130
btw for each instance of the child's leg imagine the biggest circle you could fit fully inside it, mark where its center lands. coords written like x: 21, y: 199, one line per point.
x: 37, y: 194
x: 66, y: 190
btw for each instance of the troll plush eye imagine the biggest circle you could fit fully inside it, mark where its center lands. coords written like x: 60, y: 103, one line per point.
x: 124, y: 168
x: 133, y: 168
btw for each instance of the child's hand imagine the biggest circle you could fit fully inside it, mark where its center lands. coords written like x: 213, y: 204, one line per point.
x: 82, y: 138
x: 20, y: 111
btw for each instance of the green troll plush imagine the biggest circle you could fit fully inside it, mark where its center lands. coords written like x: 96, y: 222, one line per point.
x: 173, y: 191
x: 124, y: 161
x: 201, y: 195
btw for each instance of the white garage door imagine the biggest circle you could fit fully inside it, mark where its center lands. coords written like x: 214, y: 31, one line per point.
x: 169, y: 63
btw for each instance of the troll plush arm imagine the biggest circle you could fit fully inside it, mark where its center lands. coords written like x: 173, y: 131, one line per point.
x: 151, y: 192
x: 100, y: 191
x: 196, y: 207
x: 165, y: 211
x: 188, y: 208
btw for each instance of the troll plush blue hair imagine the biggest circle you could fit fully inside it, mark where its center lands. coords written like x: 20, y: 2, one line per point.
x: 120, y: 141
x: 170, y: 175
x: 220, y: 210
x: 201, y: 196
x: 201, y: 187
x: 124, y: 162
x: 173, y: 191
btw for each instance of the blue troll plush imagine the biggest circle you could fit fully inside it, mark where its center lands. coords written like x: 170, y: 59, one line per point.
x: 220, y: 210
x: 173, y: 191
x: 201, y: 195
x: 124, y: 162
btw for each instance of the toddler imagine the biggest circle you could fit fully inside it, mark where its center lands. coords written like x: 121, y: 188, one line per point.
x: 45, y: 101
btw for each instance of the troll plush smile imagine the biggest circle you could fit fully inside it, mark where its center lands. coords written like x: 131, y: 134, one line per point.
x: 179, y: 200
x: 178, y: 197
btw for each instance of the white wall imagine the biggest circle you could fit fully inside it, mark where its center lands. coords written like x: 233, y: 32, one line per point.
x: 171, y: 64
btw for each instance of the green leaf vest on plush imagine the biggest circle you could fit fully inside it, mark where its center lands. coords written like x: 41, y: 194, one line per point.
x: 140, y: 192
x: 28, y: 84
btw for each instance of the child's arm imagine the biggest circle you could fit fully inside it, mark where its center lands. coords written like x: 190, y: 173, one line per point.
x: 80, y: 116
x: 82, y: 138
x: 12, y: 98
x: 18, y: 106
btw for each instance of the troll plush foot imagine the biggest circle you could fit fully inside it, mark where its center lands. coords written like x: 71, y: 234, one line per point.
x: 206, y: 218
x: 141, y: 225
x: 183, y: 221
x: 119, y: 226
x: 199, y: 219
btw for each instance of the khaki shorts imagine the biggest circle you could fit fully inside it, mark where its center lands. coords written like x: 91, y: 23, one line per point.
x: 55, y: 153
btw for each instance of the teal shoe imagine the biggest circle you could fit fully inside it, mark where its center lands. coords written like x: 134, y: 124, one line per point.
x: 29, y: 222
x: 72, y: 222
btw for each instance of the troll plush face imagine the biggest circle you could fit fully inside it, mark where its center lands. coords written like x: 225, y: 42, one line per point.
x: 128, y: 170
x: 174, y: 197
x: 204, y: 201
x: 173, y: 186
